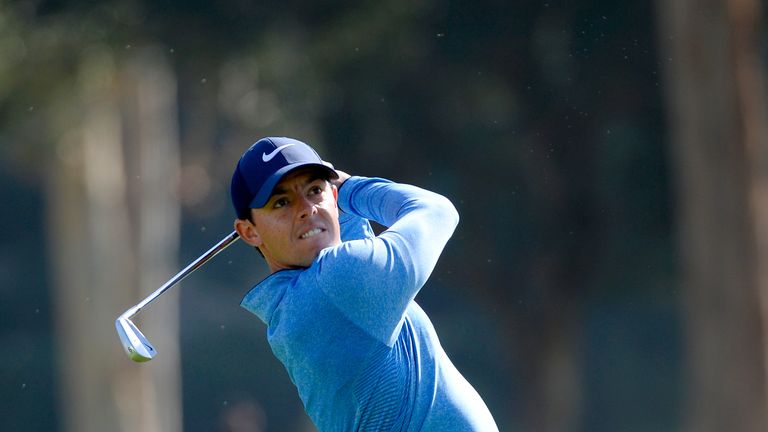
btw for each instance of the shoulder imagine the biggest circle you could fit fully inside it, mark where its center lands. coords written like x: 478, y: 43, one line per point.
x: 264, y: 297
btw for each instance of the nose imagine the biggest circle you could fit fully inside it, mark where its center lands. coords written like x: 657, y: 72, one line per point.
x: 306, y: 207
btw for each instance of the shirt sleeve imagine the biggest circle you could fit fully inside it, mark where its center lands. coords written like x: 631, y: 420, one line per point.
x: 372, y: 280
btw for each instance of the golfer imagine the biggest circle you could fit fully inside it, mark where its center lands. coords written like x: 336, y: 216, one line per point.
x: 339, y: 302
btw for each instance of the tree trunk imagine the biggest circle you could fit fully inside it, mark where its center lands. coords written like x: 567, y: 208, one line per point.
x: 717, y: 125
x: 113, y: 228
x: 157, y: 198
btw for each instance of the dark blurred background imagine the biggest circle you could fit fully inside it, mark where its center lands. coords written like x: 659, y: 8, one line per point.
x: 608, y: 160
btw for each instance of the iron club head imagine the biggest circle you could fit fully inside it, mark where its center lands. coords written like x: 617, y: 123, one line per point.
x: 134, y: 342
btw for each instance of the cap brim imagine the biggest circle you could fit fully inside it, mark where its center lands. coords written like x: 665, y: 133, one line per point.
x: 261, y: 198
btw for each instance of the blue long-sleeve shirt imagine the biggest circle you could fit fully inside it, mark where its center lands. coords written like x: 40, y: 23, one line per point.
x: 362, y: 354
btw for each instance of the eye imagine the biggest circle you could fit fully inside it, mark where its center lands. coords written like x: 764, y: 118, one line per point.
x: 315, y: 190
x: 280, y: 202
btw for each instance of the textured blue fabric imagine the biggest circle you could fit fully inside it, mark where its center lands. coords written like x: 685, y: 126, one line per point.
x: 362, y: 354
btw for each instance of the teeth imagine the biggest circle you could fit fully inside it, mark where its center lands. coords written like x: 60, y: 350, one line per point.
x: 311, y: 233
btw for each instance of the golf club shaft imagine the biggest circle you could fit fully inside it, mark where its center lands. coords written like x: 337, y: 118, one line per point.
x: 194, y: 265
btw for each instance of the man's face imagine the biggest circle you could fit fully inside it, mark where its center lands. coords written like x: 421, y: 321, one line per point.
x: 300, y: 219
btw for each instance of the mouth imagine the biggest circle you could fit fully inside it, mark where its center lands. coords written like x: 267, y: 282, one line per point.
x: 311, y: 233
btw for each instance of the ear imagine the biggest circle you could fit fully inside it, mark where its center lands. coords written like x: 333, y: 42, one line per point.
x: 335, y: 194
x: 247, y: 232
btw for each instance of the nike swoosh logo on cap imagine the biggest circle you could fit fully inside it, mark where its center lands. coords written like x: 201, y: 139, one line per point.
x: 268, y: 157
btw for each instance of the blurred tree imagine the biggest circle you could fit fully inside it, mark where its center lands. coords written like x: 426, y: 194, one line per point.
x: 114, y: 240
x: 101, y: 133
x: 716, y: 99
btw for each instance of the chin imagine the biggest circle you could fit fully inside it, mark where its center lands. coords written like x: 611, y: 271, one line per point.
x: 321, y: 241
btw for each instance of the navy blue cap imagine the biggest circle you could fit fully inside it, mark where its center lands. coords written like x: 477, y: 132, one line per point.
x: 263, y: 165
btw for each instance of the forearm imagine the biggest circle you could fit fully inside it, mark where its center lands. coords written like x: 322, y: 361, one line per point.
x: 387, y: 202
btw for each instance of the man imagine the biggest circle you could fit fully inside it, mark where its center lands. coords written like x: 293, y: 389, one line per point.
x: 339, y: 303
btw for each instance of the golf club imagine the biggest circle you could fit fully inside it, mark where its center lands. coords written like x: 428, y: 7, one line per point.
x: 136, y: 345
